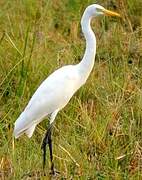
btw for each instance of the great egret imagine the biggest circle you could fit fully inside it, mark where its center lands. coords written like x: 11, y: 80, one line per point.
x: 56, y: 91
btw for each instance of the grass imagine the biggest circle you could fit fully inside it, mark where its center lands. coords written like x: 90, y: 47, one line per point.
x: 98, y: 135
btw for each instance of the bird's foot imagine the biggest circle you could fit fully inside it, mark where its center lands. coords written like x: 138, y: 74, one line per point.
x: 54, y: 172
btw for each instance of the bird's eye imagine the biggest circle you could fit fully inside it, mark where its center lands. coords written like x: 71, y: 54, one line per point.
x: 97, y: 9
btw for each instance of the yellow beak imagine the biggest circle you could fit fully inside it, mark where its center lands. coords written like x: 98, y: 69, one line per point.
x: 110, y: 13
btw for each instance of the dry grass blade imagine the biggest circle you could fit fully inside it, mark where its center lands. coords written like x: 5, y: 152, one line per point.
x: 69, y: 155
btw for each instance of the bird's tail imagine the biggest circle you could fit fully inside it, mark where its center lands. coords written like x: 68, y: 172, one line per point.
x: 18, y: 126
x: 21, y: 127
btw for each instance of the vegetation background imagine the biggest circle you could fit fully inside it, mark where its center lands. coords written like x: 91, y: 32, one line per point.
x: 98, y: 135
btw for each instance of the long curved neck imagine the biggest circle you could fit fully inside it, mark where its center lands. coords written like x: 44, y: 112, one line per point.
x: 87, y: 62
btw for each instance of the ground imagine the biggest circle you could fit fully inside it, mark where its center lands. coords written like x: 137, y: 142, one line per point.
x: 98, y: 135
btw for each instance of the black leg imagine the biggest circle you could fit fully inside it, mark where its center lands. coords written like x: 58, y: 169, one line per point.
x: 51, y: 154
x: 48, y: 140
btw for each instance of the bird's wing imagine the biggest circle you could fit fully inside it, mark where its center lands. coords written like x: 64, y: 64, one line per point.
x: 54, y: 93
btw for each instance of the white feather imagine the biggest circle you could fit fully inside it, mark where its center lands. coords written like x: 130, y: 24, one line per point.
x: 52, y: 95
x: 56, y: 91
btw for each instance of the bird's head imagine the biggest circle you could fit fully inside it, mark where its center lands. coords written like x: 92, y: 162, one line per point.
x: 97, y: 10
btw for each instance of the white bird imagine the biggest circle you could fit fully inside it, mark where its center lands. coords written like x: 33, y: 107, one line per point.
x: 56, y: 91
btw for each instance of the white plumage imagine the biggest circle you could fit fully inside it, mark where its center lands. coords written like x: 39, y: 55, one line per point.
x: 56, y: 91
x: 51, y: 96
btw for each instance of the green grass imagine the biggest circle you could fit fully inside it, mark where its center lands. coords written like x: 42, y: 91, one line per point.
x: 98, y: 135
